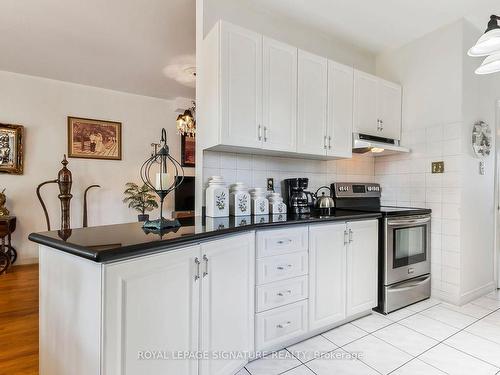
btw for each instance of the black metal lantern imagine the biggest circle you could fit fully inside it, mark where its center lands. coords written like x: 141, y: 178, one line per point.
x: 157, y: 166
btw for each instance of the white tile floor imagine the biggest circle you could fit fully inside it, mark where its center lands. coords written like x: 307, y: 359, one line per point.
x: 427, y: 338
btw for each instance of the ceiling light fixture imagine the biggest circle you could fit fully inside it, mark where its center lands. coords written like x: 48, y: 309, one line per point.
x: 489, y: 42
x: 491, y: 64
x: 186, y: 123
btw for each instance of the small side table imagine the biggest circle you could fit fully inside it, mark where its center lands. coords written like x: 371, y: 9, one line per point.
x: 8, y: 254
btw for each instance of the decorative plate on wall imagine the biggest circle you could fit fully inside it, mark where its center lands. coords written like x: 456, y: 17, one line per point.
x: 481, y: 139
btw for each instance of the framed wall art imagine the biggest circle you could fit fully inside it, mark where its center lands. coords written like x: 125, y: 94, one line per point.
x: 94, y: 139
x: 188, y: 151
x: 11, y: 148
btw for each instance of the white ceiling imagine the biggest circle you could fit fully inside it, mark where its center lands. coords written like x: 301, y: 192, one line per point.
x: 142, y: 46
x: 378, y: 25
x: 122, y: 45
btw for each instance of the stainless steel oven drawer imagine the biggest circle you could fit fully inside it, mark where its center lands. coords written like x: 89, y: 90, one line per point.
x: 406, y: 292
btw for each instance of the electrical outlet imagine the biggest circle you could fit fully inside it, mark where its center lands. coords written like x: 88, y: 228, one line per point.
x: 438, y: 167
x: 270, y: 184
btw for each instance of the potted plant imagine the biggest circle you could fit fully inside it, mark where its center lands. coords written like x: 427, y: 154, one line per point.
x: 141, y: 199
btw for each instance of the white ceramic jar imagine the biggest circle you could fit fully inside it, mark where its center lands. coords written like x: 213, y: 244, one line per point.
x: 217, y: 198
x: 239, y: 200
x: 276, y: 205
x: 260, y: 204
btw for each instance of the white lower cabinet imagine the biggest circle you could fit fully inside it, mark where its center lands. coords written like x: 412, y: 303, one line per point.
x: 227, y: 308
x: 280, y: 293
x: 362, y: 266
x: 343, y: 266
x: 281, y: 267
x: 195, y: 298
x: 281, y: 324
x: 327, y: 273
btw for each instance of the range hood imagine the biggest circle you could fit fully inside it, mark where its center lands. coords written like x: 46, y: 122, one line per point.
x: 377, y: 146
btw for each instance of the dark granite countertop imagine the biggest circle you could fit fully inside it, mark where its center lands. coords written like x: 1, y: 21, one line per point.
x: 110, y: 243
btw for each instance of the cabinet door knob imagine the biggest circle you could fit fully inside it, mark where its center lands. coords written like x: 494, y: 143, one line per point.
x: 282, y: 242
x: 284, y: 325
x: 281, y: 294
x: 205, y: 259
x: 197, y: 263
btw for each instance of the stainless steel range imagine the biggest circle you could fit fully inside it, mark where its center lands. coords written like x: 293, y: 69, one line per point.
x: 404, y: 245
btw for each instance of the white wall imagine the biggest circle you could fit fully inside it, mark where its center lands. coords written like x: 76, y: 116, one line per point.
x: 42, y: 106
x: 243, y: 13
x: 441, y: 101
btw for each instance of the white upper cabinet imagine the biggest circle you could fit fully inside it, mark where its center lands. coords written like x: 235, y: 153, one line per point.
x: 312, y: 104
x: 340, y: 105
x: 365, y: 103
x: 279, y: 96
x: 377, y: 106
x: 241, y: 86
x: 260, y: 95
x: 389, y: 97
x: 362, y: 266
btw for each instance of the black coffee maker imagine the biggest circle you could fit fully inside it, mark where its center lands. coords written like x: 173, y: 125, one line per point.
x: 295, y: 196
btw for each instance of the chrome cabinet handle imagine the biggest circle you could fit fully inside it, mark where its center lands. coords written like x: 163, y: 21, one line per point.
x: 282, y: 242
x: 350, y: 235
x: 265, y: 133
x: 197, y: 263
x: 346, y: 237
x: 281, y: 268
x: 284, y: 325
x: 281, y: 294
x: 205, y: 259
x: 260, y: 133
x: 329, y: 142
x: 324, y: 142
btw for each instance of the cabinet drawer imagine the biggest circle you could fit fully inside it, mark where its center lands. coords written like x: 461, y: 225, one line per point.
x: 282, y: 241
x: 281, y: 293
x: 280, y: 324
x: 281, y: 267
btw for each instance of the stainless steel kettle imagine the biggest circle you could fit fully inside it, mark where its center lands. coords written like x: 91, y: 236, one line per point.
x: 324, y: 203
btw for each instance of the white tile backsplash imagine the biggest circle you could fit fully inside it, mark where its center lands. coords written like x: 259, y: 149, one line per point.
x: 253, y: 170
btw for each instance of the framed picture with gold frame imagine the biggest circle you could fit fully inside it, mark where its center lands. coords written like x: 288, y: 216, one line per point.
x: 11, y: 148
x: 94, y: 139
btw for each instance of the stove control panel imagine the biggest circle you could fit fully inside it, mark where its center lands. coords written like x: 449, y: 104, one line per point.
x: 356, y: 190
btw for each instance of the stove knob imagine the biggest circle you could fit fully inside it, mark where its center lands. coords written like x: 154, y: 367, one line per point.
x: 369, y: 188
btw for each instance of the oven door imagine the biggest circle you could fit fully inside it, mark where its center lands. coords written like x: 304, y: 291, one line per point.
x: 407, y: 247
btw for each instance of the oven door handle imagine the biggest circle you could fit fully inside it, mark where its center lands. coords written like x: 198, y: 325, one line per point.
x: 412, y: 284
x: 397, y: 222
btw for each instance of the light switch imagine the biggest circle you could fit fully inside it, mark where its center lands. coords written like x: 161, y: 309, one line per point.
x: 438, y: 167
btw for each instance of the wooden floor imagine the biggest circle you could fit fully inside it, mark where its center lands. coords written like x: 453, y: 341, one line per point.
x: 19, y: 320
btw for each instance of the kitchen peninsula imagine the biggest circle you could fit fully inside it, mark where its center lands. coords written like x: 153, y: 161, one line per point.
x: 202, y: 298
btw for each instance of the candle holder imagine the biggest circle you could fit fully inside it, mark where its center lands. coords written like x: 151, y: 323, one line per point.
x: 157, y: 165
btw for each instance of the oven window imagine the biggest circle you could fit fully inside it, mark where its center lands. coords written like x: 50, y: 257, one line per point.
x: 410, y: 245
